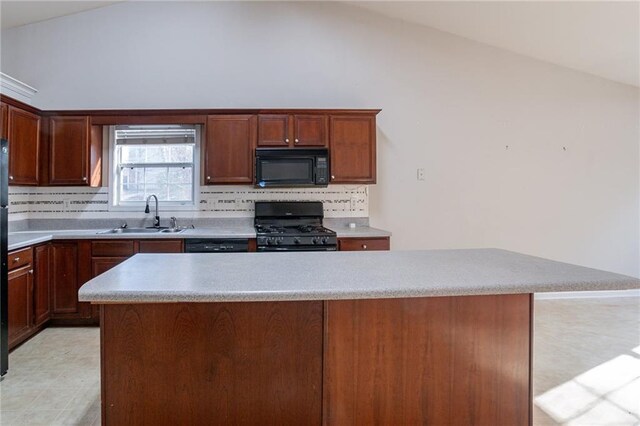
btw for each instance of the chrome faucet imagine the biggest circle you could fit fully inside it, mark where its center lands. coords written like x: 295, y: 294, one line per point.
x: 156, y: 220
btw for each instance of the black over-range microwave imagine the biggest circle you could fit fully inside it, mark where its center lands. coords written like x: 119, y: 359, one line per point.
x: 283, y: 167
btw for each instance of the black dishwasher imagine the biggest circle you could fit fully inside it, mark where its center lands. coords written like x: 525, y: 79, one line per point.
x: 216, y: 245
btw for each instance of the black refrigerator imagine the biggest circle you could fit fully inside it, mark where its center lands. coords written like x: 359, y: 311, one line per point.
x: 4, y: 272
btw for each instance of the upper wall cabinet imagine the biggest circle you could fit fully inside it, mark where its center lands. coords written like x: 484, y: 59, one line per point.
x: 353, y: 149
x: 23, y: 133
x: 229, y: 149
x: 4, y: 111
x: 292, y: 130
x: 75, y: 148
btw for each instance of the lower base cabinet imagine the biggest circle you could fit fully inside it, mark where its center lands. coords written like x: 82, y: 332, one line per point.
x: 20, y: 307
x: 70, y: 268
x: 42, y: 285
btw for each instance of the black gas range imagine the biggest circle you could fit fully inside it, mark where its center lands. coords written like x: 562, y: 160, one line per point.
x: 292, y: 226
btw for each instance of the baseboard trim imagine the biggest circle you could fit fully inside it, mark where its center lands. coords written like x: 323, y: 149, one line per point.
x: 588, y: 294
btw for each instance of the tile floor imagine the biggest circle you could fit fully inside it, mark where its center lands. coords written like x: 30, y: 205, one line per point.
x: 53, y: 379
x: 586, y: 369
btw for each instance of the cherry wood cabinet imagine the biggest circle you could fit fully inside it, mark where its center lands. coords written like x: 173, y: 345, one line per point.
x: 212, y: 363
x: 4, y: 111
x: 273, y: 130
x: 64, y: 278
x: 70, y: 268
x: 20, y: 311
x: 428, y: 360
x: 23, y: 133
x: 69, y: 150
x: 292, y: 130
x: 42, y: 285
x: 100, y: 265
x: 353, y: 149
x: 160, y: 246
x: 229, y: 149
x: 363, y: 244
x: 28, y: 292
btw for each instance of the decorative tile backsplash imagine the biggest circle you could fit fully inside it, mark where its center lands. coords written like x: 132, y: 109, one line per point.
x: 214, y: 202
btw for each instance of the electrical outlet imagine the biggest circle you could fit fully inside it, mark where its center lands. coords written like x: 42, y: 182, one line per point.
x: 352, y: 203
x: 420, y: 174
x: 67, y: 204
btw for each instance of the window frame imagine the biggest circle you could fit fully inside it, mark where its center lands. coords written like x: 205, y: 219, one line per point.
x: 164, y: 205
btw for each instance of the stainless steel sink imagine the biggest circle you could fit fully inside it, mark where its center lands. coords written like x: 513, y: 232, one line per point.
x: 172, y: 231
x: 142, y: 231
x: 130, y: 231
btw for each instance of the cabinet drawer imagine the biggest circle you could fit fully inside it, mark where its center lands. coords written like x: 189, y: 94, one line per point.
x: 119, y: 248
x: 160, y: 246
x: 356, y: 244
x: 20, y: 258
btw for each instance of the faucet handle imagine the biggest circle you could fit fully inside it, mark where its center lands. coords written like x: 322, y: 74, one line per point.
x: 124, y: 225
x: 173, y: 222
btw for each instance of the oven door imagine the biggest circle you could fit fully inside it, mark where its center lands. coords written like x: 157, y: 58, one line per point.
x: 285, y: 171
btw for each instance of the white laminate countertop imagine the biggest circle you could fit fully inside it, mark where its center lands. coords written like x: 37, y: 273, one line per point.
x: 229, y: 277
x: 23, y: 239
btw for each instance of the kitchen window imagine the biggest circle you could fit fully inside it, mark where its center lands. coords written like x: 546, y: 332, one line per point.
x: 160, y: 160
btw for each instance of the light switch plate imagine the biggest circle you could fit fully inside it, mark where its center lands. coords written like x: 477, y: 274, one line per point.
x: 420, y: 174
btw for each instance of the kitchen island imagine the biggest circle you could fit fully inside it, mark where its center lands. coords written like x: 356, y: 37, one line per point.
x: 402, y: 337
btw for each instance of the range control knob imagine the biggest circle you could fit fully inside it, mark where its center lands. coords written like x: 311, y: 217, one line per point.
x: 296, y: 240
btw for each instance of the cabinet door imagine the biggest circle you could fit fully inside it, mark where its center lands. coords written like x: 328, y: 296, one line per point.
x: 24, y: 146
x: 273, y: 130
x: 4, y: 111
x: 69, y: 150
x: 310, y: 130
x: 20, y: 289
x: 42, y: 285
x: 64, y: 278
x: 352, y: 147
x: 229, y: 150
x: 100, y: 265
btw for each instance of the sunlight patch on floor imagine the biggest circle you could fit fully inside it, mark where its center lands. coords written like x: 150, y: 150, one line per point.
x: 605, y: 395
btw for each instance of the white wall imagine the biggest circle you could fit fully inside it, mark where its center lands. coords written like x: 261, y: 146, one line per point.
x: 449, y: 105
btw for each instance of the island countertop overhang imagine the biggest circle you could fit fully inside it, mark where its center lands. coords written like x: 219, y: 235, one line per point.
x: 247, y: 277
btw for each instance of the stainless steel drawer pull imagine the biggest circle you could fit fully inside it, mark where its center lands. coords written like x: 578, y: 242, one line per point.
x: 16, y: 259
x: 364, y: 246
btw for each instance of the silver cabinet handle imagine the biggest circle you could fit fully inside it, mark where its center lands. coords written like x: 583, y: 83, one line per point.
x: 10, y: 177
x: 84, y: 179
x: 16, y: 259
x: 333, y: 177
x: 208, y: 177
x: 296, y: 141
x: 31, y: 271
x: 364, y: 246
x: 287, y: 140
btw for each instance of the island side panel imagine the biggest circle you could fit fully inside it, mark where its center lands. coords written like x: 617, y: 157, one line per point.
x: 215, y: 363
x: 442, y: 360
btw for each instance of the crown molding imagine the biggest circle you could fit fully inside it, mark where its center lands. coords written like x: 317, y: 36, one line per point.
x: 16, y: 89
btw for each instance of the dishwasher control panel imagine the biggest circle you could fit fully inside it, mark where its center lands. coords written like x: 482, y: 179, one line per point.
x: 216, y: 245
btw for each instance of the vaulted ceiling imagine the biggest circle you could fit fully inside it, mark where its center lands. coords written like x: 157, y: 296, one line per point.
x: 597, y: 37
